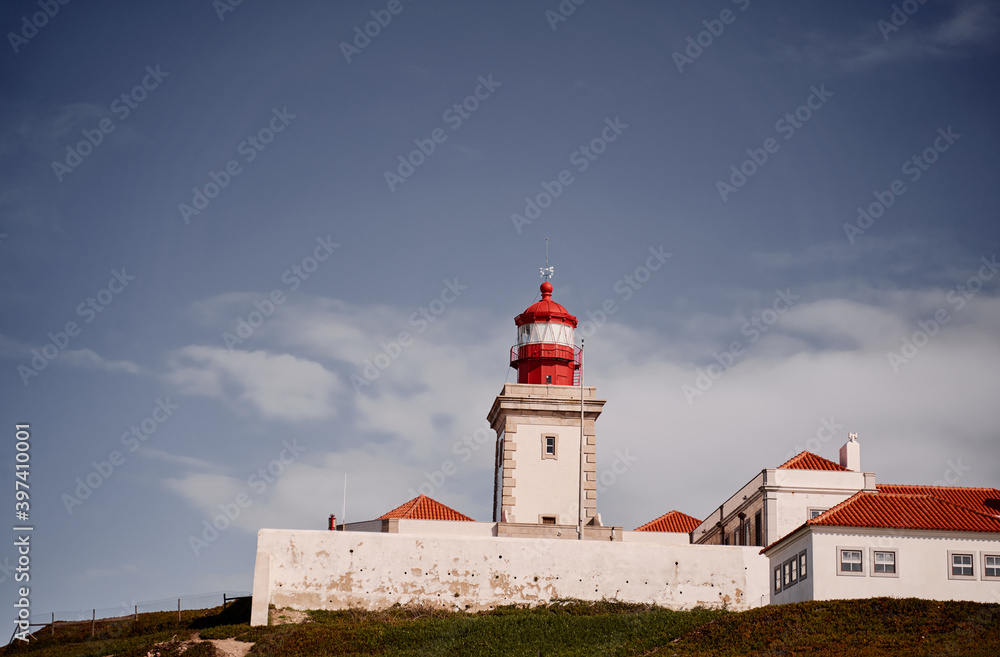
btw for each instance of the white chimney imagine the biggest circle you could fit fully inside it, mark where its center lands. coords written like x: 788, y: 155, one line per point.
x: 850, y: 453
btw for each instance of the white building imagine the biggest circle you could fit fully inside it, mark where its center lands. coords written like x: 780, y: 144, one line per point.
x: 929, y: 542
x: 780, y: 499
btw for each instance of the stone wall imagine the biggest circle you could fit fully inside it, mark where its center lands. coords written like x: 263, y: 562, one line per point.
x: 300, y: 569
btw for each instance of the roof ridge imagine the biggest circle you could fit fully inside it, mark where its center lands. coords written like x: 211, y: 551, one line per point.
x: 942, y: 487
x: 683, y: 519
x: 423, y: 504
x: 805, y: 455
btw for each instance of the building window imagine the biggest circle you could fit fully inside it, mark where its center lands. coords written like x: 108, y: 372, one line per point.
x: 758, y: 532
x: 851, y: 561
x: 777, y: 579
x: 991, y: 566
x: 803, y: 570
x: 548, y: 520
x: 884, y: 563
x: 746, y: 533
x: 960, y: 566
x: 550, y: 446
x: 787, y: 570
x: 794, y: 563
x: 815, y: 512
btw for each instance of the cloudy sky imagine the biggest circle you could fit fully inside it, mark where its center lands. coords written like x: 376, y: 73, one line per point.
x: 777, y: 223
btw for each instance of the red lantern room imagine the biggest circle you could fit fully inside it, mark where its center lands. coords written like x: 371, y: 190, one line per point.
x: 545, y: 352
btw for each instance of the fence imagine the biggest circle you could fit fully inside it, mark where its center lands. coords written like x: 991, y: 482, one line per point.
x: 130, y: 611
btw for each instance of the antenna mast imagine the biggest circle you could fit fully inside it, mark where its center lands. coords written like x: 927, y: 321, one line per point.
x: 547, y: 271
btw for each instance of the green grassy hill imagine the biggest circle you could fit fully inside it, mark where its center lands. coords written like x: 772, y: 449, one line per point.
x: 880, y: 626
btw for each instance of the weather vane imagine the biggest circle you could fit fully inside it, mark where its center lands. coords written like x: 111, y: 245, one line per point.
x: 547, y: 271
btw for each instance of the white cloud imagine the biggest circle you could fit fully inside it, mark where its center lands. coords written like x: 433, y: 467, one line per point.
x: 305, y: 492
x: 159, y: 455
x: 89, y: 358
x: 824, y: 360
x: 770, y: 403
x: 278, y: 386
x: 970, y: 25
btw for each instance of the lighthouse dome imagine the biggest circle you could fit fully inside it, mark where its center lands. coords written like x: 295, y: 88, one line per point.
x: 545, y: 310
x: 545, y: 351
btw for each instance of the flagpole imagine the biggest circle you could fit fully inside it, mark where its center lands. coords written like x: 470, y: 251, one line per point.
x: 583, y: 442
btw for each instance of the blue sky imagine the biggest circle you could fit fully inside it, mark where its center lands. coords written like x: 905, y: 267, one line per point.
x: 170, y: 169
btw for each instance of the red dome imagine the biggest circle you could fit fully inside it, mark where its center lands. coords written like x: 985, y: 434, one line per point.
x: 545, y: 310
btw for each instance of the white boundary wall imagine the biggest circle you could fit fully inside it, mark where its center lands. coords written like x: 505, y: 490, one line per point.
x: 307, y: 569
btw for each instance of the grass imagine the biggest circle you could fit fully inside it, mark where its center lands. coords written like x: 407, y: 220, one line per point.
x: 877, y: 626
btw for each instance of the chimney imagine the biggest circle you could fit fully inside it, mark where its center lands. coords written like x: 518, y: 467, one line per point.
x: 333, y: 523
x: 850, y: 453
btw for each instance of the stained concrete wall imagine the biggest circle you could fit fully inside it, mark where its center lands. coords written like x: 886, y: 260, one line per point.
x: 672, y: 538
x: 335, y: 570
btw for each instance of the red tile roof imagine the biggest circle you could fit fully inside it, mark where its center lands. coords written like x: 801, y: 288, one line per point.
x: 983, y: 500
x: 903, y: 511
x: 672, y: 521
x: 809, y: 461
x: 425, y: 508
x: 883, y: 510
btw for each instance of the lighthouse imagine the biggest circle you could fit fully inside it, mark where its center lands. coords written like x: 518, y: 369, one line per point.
x: 545, y: 351
x: 541, y: 462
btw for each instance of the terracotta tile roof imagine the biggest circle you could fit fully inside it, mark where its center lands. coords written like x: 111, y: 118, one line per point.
x: 672, y: 521
x: 905, y: 511
x: 983, y: 500
x: 882, y: 510
x: 809, y: 461
x: 425, y: 508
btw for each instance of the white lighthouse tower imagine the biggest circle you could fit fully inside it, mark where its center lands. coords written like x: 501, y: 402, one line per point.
x: 541, y: 465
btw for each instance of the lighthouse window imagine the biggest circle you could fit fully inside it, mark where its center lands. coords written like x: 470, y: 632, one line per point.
x: 549, y: 447
x: 548, y: 378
